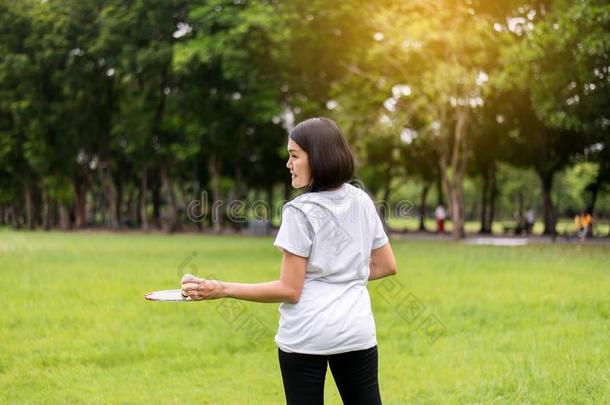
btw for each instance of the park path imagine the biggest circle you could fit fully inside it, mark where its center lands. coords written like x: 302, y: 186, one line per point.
x: 499, y: 240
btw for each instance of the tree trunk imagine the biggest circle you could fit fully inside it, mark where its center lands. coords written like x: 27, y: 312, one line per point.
x: 14, y: 213
x: 46, y: 211
x: 133, y: 205
x: 237, y: 189
x: 214, y: 170
x: 488, y: 200
x: 119, y: 202
x: 64, y: 217
x: 156, y: 199
x: 457, y: 212
x: 53, y: 214
x: 110, y: 193
x: 103, y: 208
x: 80, y: 202
x: 93, y: 209
x: 191, y: 214
x: 422, y: 207
x: 113, y: 209
x: 29, y: 207
x: 142, y: 202
x: 173, y: 221
x: 492, y: 199
x: 453, y: 168
x: 548, y: 213
x: 484, y: 229
x: 160, y: 185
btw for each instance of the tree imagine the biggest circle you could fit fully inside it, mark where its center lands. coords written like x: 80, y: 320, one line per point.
x: 138, y: 41
x: 227, y: 65
x: 490, y: 145
x: 558, y: 112
x: 420, y: 160
x: 445, y: 52
x: 313, y: 44
x: 16, y: 176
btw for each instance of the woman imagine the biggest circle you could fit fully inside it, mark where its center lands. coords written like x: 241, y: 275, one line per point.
x: 333, y: 242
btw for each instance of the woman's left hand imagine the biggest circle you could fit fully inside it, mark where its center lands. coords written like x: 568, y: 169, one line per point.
x: 200, y: 289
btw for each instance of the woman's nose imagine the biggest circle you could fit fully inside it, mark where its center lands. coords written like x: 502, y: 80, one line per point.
x: 288, y: 164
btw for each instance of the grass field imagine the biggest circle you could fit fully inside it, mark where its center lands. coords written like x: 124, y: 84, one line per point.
x: 521, y: 325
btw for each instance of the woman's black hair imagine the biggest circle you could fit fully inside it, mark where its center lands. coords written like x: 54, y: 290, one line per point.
x: 330, y: 158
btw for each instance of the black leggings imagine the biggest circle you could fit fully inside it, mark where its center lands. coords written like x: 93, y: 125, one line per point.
x: 355, y: 374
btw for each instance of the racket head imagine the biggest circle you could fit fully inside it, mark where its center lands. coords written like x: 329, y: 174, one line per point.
x: 167, y: 296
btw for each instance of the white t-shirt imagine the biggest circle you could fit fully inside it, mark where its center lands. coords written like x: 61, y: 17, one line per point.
x: 336, y: 230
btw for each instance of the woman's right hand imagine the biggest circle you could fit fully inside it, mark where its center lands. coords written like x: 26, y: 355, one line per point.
x: 201, y: 289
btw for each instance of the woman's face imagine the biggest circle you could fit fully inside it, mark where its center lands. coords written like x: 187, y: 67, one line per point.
x: 298, y: 164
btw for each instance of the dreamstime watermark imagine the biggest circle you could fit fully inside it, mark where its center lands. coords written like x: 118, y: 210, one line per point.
x: 240, y: 211
x: 411, y: 310
x: 236, y: 313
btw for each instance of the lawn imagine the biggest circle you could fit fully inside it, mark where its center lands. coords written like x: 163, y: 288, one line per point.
x: 459, y: 324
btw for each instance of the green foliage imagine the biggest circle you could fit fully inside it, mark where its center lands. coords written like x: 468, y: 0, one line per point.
x: 573, y: 96
x: 207, y: 89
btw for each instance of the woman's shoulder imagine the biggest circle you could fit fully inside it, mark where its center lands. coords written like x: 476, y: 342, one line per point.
x: 353, y: 191
x: 359, y: 194
x: 299, y: 201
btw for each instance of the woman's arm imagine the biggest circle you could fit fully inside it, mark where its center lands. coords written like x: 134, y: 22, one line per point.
x: 287, y: 289
x: 383, y: 263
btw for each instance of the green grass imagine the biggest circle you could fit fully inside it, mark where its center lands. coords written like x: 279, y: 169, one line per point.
x: 524, y: 325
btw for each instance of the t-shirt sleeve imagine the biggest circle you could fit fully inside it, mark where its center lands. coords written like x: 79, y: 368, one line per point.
x: 380, y: 238
x: 294, y: 235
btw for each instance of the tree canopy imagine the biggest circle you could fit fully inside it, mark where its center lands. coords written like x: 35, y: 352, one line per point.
x: 118, y: 114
